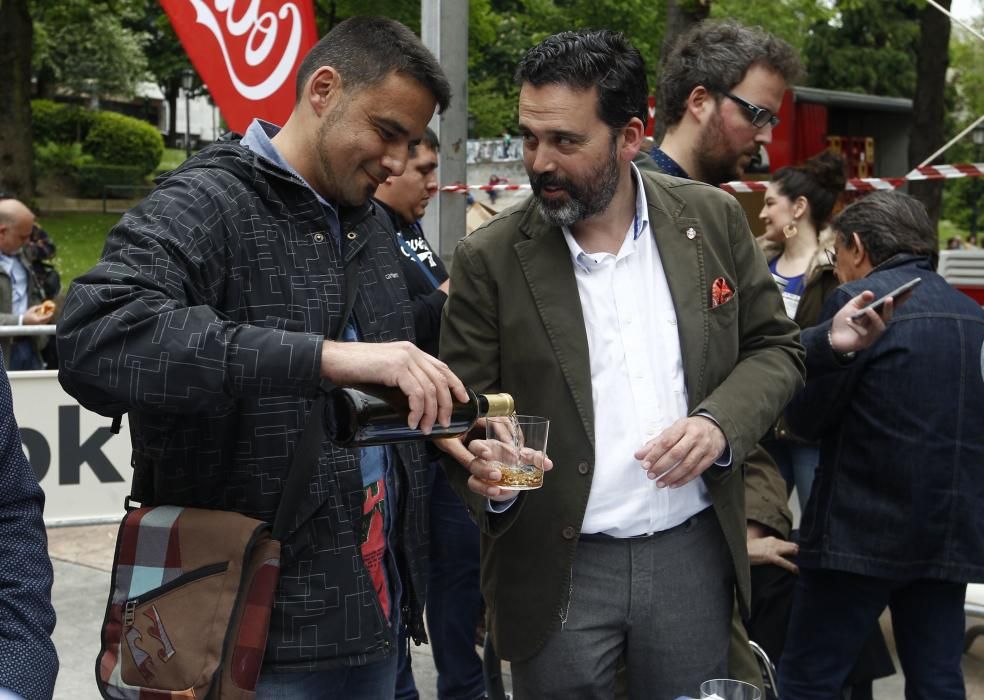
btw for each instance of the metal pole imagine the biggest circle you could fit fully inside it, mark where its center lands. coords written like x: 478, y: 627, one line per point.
x: 444, y: 29
x: 975, y: 207
x: 187, y: 124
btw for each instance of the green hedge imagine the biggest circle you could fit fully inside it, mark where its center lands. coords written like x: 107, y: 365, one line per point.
x: 59, y: 159
x: 116, y: 139
x: 94, y: 177
x: 56, y: 122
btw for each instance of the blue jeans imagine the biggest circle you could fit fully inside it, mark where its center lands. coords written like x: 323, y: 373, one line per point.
x: 797, y: 463
x: 833, y: 614
x: 375, y: 681
x: 454, y: 598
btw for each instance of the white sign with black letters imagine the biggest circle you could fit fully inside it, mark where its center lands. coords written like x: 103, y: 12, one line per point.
x: 83, y: 468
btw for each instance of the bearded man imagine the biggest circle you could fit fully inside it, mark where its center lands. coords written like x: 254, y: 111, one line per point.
x: 636, y: 312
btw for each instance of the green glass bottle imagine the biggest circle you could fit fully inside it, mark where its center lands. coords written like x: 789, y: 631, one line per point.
x: 377, y: 415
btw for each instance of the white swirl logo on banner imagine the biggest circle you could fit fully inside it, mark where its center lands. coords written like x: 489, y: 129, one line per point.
x: 263, y: 31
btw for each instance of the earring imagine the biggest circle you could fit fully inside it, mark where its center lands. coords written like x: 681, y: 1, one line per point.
x: 790, y: 230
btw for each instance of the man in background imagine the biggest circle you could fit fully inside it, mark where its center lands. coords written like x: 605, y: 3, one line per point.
x: 894, y: 518
x: 453, y: 594
x: 21, y: 296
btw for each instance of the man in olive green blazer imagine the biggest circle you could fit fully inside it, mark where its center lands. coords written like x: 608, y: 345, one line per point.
x: 515, y: 322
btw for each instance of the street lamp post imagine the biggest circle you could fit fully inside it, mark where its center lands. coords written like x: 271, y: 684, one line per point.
x: 187, y: 82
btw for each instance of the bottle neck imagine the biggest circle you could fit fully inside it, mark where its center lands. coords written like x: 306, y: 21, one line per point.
x: 496, y: 405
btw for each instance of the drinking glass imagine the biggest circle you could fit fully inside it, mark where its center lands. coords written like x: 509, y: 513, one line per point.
x: 728, y: 689
x: 519, y: 446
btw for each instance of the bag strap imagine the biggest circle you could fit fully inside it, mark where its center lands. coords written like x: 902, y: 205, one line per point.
x: 412, y: 254
x: 309, y: 447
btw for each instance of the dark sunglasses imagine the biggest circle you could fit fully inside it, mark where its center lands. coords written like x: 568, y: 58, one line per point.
x: 759, y: 116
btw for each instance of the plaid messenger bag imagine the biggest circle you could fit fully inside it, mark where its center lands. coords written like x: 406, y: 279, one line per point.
x: 192, y: 590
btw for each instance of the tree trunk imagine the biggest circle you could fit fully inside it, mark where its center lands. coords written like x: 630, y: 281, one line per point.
x: 16, y: 46
x: 928, y: 106
x: 681, y: 15
x: 171, y: 97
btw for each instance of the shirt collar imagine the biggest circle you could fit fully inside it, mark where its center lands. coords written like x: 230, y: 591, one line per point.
x: 258, y: 139
x: 667, y: 164
x: 640, y: 225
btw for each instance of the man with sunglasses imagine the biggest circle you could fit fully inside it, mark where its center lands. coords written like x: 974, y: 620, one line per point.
x: 719, y: 92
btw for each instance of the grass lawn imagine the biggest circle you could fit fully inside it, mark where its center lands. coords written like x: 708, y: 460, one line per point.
x: 172, y: 158
x: 79, y: 237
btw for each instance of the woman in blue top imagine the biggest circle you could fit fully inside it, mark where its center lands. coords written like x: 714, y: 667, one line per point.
x: 799, y: 202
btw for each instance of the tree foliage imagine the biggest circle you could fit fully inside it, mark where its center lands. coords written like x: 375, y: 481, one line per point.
x: 501, y: 31
x: 869, y: 46
x: 85, y: 47
x: 792, y: 20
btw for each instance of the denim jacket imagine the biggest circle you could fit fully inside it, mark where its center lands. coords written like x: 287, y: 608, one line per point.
x: 899, y: 492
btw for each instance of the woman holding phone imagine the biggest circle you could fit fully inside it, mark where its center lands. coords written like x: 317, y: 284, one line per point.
x: 799, y: 202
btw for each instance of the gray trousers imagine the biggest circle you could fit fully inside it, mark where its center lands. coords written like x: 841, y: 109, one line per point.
x: 662, y: 602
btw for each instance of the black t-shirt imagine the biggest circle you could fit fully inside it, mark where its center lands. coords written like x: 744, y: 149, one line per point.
x: 423, y: 271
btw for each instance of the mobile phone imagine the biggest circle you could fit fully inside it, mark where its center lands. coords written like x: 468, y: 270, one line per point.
x: 880, y: 302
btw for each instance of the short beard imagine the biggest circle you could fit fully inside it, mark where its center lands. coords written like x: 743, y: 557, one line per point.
x: 582, y: 202
x: 715, y: 161
x: 337, y: 192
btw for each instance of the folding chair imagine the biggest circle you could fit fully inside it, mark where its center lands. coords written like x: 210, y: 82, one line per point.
x: 768, y: 671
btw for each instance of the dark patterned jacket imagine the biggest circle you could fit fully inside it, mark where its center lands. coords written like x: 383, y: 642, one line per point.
x: 204, y: 320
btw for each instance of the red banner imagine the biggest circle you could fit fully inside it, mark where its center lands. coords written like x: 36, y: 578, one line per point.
x: 246, y: 52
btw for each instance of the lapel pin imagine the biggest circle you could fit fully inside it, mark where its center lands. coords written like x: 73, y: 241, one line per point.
x: 691, y: 234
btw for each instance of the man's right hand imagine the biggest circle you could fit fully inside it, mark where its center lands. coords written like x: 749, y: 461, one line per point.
x: 36, y: 316
x: 428, y: 383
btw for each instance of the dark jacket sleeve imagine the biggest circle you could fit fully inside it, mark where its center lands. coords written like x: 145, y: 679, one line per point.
x: 28, y: 662
x: 142, y: 329
x: 829, y: 381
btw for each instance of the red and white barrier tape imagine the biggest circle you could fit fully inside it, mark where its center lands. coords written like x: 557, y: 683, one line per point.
x: 858, y: 184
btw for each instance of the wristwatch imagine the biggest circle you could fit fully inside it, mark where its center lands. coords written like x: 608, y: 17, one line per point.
x: 842, y: 357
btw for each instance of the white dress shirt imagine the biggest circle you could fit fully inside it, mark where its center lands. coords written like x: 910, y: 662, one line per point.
x: 637, y: 381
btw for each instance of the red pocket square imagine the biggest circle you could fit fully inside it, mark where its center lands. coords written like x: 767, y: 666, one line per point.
x: 720, y: 292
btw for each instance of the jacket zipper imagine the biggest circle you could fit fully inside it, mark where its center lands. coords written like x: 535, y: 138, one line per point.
x: 130, y: 609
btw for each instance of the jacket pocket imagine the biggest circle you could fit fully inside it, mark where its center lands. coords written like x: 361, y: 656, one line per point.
x: 724, y: 314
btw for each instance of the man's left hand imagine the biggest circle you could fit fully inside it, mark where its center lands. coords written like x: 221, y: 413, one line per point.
x: 683, y: 451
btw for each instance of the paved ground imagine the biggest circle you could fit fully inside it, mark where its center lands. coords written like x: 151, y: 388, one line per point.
x: 82, y: 557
